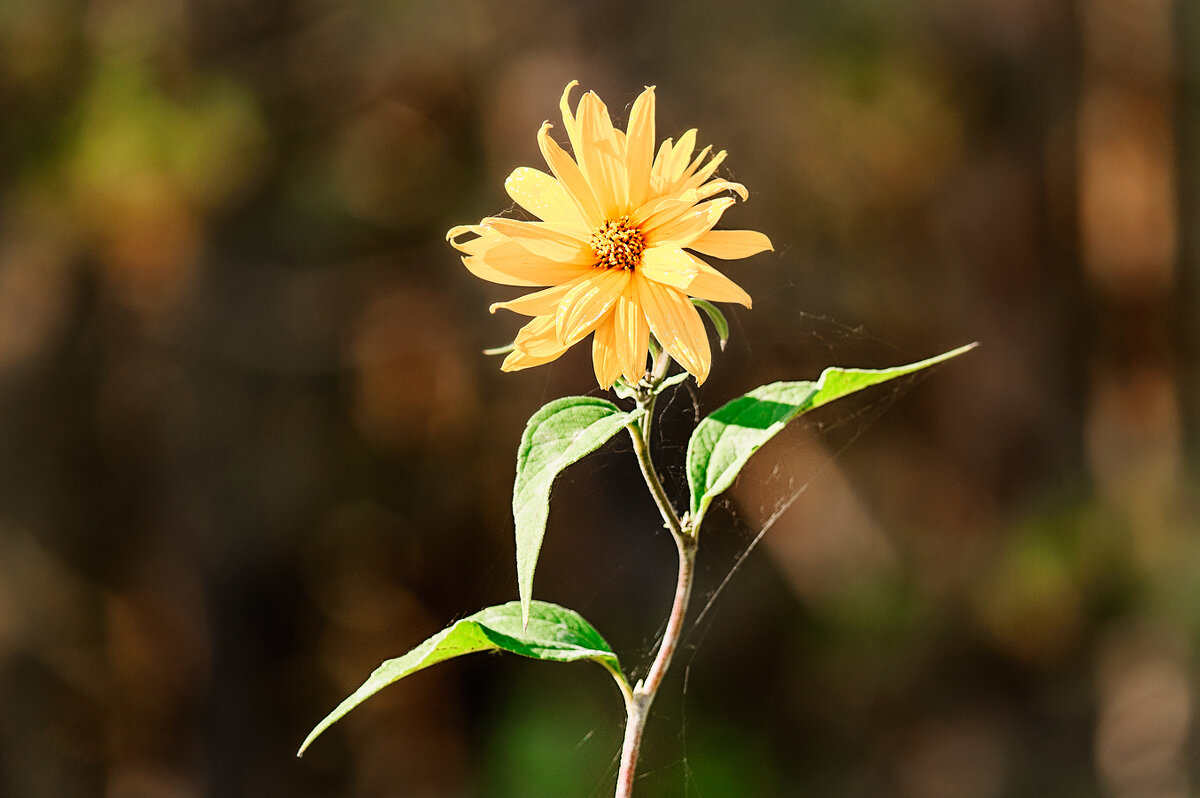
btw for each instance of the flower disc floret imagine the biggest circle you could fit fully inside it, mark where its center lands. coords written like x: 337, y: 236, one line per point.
x: 616, y: 246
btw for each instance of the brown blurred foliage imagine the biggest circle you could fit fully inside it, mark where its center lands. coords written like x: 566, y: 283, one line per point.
x: 251, y: 447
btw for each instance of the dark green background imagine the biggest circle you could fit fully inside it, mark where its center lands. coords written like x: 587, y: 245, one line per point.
x: 249, y: 447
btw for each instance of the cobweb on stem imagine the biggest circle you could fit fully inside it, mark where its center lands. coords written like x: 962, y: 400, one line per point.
x: 824, y: 437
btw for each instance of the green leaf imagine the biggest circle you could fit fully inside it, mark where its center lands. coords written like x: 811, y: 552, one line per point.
x: 500, y: 350
x: 718, y: 319
x: 561, y: 433
x: 674, y: 379
x: 552, y: 633
x: 623, y: 391
x: 723, y: 442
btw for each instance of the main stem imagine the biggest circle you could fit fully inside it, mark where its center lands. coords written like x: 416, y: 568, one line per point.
x: 638, y: 709
x: 639, y: 701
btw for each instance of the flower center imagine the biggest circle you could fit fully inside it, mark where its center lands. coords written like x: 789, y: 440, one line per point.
x: 618, y: 245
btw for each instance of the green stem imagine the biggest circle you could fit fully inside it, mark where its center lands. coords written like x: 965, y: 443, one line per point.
x: 637, y: 703
x: 622, y: 683
x: 639, y: 431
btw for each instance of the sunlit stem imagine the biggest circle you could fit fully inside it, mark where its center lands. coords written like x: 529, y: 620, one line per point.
x: 662, y: 362
x: 647, y: 395
x: 639, y: 431
x: 638, y: 707
x: 637, y: 703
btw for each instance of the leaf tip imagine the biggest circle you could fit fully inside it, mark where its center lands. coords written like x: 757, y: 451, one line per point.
x: 962, y: 350
x: 500, y: 350
x: 308, y: 741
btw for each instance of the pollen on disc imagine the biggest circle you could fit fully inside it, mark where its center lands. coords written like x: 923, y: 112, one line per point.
x: 618, y: 244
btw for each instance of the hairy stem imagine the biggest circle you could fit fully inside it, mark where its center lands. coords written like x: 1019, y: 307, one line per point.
x: 637, y: 704
x: 639, y: 431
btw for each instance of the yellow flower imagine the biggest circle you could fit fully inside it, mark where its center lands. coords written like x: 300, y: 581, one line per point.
x: 617, y: 221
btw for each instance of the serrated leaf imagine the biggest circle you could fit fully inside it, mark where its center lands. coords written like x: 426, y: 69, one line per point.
x: 553, y: 633
x: 723, y: 442
x: 561, y: 433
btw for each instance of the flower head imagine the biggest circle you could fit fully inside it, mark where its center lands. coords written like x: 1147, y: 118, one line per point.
x: 616, y: 245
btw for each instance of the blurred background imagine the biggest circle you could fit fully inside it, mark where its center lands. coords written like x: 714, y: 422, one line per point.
x: 250, y: 447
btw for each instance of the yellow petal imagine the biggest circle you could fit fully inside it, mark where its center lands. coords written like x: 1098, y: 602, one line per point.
x: 539, y: 303
x: 543, y: 196
x: 621, y: 148
x: 586, y: 303
x: 658, y: 171
x: 661, y: 210
x: 714, y: 187
x: 639, y: 147
x: 572, y: 128
x: 518, y: 360
x: 698, y: 177
x: 536, y: 344
x: 668, y: 265
x: 677, y: 326
x: 710, y: 284
x: 632, y: 334
x: 553, y: 242
x: 731, y: 244
x: 570, y: 176
x: 537, y: 338
x: 685, y: 229
x: 598, y: 156
x: 472, y: 246
x: 604, y: 354
x: 699, y: 159
x: 681, y: 155
x: 508, y: 263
